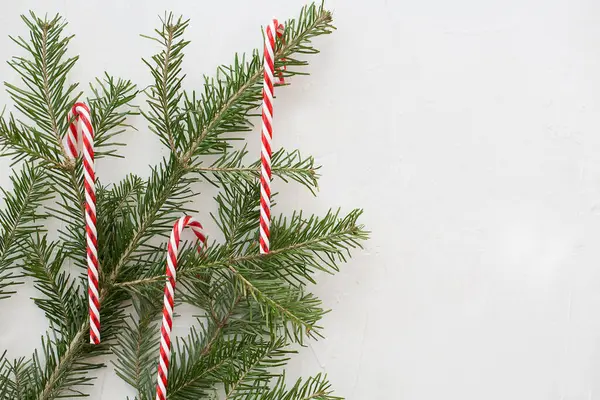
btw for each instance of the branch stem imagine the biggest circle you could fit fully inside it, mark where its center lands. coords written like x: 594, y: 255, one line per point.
x: 46, y: 92
x: 237, y: 260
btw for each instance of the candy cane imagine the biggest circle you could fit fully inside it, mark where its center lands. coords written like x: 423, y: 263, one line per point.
x: 80, y: 127
x: 274, y: 28
x: 167, y: 320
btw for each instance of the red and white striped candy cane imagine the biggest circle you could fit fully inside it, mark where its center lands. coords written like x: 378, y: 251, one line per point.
x: 80, y: 127
x: 167, y: 319
x: 274, y: 28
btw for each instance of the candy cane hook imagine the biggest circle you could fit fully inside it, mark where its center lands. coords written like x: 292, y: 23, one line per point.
x: 80, y: 127
x: 274, y: 28
x: 168, y: 302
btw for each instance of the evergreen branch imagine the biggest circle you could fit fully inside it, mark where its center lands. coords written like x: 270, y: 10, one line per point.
x: 44, y: 73
x: 224, y: 107
x: 20, y: 371
x: 136, y: 348
x: 194, y: 361
x: 64, y: 366
x: 238, y: 212
x: 301, y: 246
x: 116, y: 207
x: 72, y: 348
x: 7, y: 386
x: 60, y: 369
x: 253, y: 372
x: 300, y: 238
x: 123, y: 196
x: 21, y: 142
x: 316, y: 243
x: 228, y: 308
x: 230, y: 98
x: 46, y: 84
x: 109, y: 112
x: 70, y: 209
x: 167, y: 192
x: 228, y: 108
x: 18, y: 220
x: 232, y: 360
x: 58, y: 365
x: 314, y: 388
x: 165, y: 95
x: 139, y: 341
x: 249, y: 303
x: 46, y: 101
x: 110, y: 108
x: 287, y: 308
x: 17, y: 387
x: 62, y: 301
x: 285, y: 165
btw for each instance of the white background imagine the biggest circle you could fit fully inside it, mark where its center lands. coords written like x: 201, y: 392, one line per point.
x: 468, y: 130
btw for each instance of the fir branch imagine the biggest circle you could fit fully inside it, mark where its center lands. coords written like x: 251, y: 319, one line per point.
x: 333, y: 236
x: 44, y: 73
x: 255, y: 370
x: 15, y: 378
x: 136, y: 348
x: 122, y: 196
x: 19, y: 219
x: 225, y: 107
x: 252, y: 309
x: 21, y: 142
x: 70, y: 209
x: 62, y: 299
x: 139, y: 342
x: 314, y: 388
x: 290, y: 309
x: 116, y: 207
x: 194, y: 372
x: 229, y: 99
x: 167, y: 193
x: 67, y: 360
x: 46, y: 102
x: 165, y: 95
x: 312, y: 244
x: 238, y: 212
x: 309, y: 245
x: 110, y: 107
x: 285, y: 165
x: 60, y: 370
x: 69, y: 311
x: 7, y: 386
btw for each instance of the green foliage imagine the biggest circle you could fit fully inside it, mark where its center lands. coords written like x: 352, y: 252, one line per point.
x: 137, y: 348
x: 164, y: 97
x: 19, y: 219
x: 61, y: 298
x: 109, y: 109
x: 314, y: 388
x: 289, y: 166
x: 252, y: 309
x: 45, y: 98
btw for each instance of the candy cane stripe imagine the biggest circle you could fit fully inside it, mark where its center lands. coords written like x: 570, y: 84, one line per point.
x: 80, y: 129
x: 72, y: 136
x: 168, y: 299
x: 273, y: 29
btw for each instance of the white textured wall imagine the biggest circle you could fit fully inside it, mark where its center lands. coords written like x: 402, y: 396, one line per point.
x: 468, y: 130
